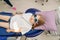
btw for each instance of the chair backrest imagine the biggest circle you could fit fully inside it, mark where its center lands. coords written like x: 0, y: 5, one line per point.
x: 32, y: 10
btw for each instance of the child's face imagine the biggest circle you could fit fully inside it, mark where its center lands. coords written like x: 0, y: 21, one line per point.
x: 37, y: 20
x: 33, y: 19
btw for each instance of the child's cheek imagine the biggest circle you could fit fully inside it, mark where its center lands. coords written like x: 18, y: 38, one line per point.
x: 32, y: 20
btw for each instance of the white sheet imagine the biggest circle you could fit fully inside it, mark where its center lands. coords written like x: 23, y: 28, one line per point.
x: 21, y: 21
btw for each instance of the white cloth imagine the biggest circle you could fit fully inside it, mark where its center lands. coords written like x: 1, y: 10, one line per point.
x: 21, y: 21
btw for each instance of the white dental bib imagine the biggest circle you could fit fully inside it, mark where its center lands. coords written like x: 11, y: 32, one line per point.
x: 21, y: 22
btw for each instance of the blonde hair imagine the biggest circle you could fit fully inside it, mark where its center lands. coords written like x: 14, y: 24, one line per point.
x: 41, y: 21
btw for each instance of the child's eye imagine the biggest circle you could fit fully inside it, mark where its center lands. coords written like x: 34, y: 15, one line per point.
x: 35, y: 20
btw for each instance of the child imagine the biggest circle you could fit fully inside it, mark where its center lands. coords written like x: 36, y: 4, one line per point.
x: 21, y: 22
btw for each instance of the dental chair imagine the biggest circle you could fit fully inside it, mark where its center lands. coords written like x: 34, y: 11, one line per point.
x: 31, y: 33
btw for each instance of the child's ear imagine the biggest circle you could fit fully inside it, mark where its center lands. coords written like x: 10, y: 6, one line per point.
x: 32, y: 28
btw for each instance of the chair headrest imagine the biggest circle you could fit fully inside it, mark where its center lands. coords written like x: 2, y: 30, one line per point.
x: 32, y: 10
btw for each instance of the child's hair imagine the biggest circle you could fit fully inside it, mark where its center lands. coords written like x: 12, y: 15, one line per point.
x: 40, y: 22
